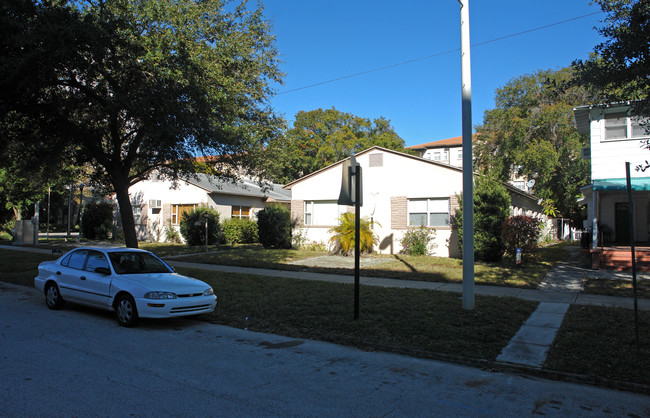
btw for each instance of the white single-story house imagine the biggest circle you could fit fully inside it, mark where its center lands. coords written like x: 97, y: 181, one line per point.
x: 400, y: 191
x: 159, y: 204
x: 617, y: 136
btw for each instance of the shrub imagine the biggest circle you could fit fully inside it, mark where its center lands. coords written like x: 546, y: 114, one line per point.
x: 239, y: 231
x: 491, y: 209
x: 97, y: 220
x: 193, y: 226
x: 172, y: 234
x: 6, y: 230
x: 299, y: 238
x: 520, y: 232
x: 314, y: 246
x: 416, y: 241
x: 274, y: 226
x: 343, y: 238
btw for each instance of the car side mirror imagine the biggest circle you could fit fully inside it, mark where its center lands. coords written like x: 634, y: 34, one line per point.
x: 103, y: 270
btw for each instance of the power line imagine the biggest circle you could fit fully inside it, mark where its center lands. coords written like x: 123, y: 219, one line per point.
x: 434, y: 55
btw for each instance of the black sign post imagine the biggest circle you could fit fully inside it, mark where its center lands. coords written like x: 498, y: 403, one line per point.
x: 633, y: 251
x: 351, y: 194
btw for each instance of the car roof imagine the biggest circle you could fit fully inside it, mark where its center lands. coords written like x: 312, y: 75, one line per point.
x: 111, y: 249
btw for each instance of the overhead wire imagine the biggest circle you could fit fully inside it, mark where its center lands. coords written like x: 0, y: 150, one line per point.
x: 385, y: 67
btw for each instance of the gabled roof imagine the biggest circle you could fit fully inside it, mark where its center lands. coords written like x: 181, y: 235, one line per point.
x: 371, y: 149
x: 442, y: 143
x: 510, y: 187
x: 243, y: 187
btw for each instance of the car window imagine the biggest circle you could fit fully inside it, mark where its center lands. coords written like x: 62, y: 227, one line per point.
x: 77, y: 259
x: 66, y: 260
x: 136, y: 263
x: 96, y: 259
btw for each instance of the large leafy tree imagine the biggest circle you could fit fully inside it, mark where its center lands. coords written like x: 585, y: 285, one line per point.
x: 133, y: 86
x: 532, y: 128
x: 322, y: 137
x: 22, y: 181
x: 620, y: 66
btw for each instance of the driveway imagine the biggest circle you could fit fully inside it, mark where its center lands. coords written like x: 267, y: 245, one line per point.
x: 79, y: 362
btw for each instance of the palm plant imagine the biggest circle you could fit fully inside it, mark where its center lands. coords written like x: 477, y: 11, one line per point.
x: 343, y: 238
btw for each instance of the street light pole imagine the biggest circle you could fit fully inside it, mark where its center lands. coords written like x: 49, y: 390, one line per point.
x: 468, y: 169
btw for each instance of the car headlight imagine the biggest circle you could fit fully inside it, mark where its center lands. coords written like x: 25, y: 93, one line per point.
x: 160, y: 295
x: 208, y: 292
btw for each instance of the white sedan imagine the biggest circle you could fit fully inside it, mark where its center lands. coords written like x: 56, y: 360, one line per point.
x: 133, y: 283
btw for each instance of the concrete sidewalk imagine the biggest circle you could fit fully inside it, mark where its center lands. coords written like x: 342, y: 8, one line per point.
x: 538, y: 295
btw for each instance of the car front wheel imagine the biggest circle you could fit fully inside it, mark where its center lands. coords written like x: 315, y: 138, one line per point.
x: 53, y: 297
x: 126, y: 311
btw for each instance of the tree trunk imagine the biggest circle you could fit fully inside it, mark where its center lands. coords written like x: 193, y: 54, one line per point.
x: 126, y: 214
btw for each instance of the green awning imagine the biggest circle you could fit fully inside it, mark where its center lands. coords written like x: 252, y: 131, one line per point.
x: 610, y: 185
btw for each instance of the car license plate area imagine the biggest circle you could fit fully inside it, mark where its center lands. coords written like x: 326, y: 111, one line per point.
x: 183, y: 309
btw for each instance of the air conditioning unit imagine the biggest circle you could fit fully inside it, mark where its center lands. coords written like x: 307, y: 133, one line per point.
x: 155, y: 204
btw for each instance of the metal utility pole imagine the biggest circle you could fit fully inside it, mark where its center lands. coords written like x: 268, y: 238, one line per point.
x: 69, y: 211
x: 48, y: 211
x: 468, y: 168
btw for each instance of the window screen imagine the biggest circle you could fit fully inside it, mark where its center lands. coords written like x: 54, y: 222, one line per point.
x: 616, y: 125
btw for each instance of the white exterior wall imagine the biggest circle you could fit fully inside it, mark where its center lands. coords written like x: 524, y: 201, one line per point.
x: 399, y: 176
x: 223, y: 203
x: 154, y: 222
x: 608, y: 158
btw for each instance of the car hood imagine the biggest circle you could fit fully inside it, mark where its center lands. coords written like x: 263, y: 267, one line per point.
x: 166, y: 282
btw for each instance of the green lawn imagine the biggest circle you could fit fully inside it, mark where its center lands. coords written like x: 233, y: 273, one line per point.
x: 424, y: 322
x: 21, y: 267
x: 623, y: 288
x: 601, y: 342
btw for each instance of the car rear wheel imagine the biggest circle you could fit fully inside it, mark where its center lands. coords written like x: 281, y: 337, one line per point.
x: 126, y: 311
x: 53, y: 297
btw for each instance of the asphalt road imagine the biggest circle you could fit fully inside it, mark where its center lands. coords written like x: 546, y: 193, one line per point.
x: 79, y: 362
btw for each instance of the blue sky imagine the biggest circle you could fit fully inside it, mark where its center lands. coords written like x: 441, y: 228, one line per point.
x: 323, y: 40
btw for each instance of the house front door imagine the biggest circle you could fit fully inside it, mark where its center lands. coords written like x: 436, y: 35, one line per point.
x: 622, y: 222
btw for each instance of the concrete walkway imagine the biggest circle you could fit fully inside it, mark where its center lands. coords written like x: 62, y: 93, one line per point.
x: 538, y: 295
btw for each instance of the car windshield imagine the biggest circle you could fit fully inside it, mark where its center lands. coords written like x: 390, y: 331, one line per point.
x: 136, y: 263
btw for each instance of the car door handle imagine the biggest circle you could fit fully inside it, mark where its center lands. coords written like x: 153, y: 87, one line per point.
x: 58, y: 272
x: 83, y: 277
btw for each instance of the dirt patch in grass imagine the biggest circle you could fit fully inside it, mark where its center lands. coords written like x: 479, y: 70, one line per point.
x: 600, y: 342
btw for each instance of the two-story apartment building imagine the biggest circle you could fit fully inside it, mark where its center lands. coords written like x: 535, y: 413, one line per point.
x: 445, y: 151
x: 617, y: 136
x: 450, y: 151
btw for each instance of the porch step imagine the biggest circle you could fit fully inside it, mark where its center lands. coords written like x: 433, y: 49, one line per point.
x: 620, y: 259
